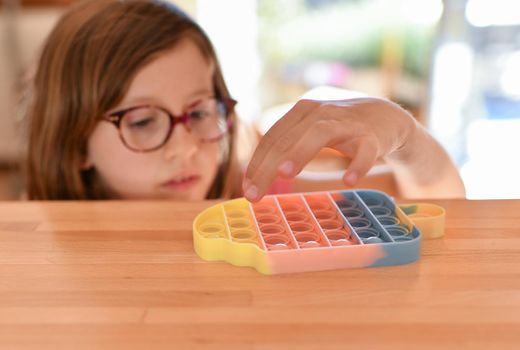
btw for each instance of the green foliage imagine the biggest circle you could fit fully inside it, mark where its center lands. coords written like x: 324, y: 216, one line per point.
x: 351, y: 32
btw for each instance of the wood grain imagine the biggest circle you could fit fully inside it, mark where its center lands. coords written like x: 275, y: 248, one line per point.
x: 123, y: 275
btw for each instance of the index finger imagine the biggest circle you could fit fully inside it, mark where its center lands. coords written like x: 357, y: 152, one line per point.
x: 300, y: 152
x: 276, y: 135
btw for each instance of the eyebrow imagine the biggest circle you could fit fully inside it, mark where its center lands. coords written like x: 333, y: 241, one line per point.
x: 151, y: 100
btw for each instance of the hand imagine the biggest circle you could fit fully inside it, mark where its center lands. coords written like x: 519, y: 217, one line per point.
x: 363, y: 129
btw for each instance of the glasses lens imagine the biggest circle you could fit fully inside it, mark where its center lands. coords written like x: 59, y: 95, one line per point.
x: 145, y: 128
x: 208, y: 120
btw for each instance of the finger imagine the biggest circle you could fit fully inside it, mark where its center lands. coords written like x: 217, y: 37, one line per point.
x: 278, y: 134
x: 289, y: 162
x: 362, y: 161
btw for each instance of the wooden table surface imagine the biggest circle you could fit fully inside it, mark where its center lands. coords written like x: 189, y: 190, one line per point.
x: 123, y: 275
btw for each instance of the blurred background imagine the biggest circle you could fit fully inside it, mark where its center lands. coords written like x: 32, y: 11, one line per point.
x: 454, y: 64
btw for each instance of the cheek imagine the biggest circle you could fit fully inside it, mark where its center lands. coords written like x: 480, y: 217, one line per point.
x: 209, y: 158
x: 211, y: 153
x: 104, y: 144
x: 114, y: 162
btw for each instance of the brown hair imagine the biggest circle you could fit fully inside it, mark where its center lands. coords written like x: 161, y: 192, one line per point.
x: 85, y: 69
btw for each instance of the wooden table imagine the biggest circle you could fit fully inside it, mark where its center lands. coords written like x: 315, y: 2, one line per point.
x: 123, y: 275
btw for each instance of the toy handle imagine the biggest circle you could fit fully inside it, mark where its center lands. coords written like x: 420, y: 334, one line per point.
x: 428, y: 218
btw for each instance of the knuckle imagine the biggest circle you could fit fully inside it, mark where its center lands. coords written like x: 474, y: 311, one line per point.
x: 305, y: 103
x: 323, y: 126
x: 328, y: 109
x: 371, y: 146
x: 304, y: 107
x: 332, y: 110
x: 283, y: 144
x: 372, y: 142
x: 265, y: 143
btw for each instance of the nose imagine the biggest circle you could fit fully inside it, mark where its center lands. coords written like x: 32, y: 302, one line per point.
x: 182, y: 143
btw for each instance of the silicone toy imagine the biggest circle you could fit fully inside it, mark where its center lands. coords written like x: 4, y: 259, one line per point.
x: 315, y: 231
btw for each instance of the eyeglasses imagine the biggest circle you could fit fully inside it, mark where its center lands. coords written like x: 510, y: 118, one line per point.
x: 147, y: 128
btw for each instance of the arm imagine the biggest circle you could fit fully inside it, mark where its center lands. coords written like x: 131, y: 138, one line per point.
x: 423, y: 169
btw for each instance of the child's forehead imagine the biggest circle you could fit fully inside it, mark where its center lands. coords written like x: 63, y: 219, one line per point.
x: 175, y: 75
x: 185, y: 58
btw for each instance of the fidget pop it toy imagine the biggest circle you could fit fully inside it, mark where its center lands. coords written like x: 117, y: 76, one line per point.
x: 315, y: 231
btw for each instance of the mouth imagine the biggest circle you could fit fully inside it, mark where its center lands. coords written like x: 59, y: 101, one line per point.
x: 182, y: 183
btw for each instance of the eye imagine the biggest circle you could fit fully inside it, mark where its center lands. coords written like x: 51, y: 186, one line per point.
x: 142, y: 118
x: 140, y: 123
x: 199, y: 114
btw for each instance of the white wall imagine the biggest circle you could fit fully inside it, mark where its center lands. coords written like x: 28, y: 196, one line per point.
x: 21, y: 36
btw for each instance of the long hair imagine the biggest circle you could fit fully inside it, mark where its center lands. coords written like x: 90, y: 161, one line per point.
x: 85, y: 69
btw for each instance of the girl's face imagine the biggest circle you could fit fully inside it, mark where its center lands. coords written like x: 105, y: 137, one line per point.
x: 183, y: 168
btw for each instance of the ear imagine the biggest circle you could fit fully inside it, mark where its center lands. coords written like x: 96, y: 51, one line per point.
x: 86, y: 164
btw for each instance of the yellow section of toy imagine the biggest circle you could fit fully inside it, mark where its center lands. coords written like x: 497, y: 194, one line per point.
x: 428, y: 218
x: 229, y: 233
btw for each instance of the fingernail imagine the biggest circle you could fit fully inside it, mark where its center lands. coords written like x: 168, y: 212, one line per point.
x: 286, y: 168
x: 351, y: 178
x: 251, y: 193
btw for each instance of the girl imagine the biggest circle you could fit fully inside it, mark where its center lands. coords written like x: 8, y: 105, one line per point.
x: 129, y: 101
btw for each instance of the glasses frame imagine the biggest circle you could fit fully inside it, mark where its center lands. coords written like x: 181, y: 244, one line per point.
x: 116, y: 117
